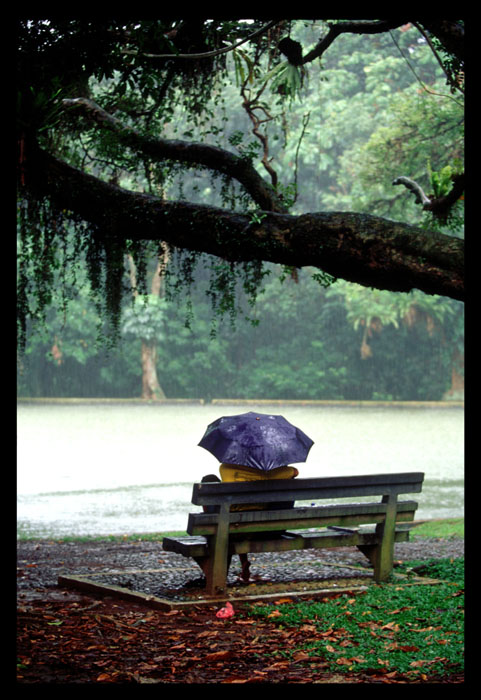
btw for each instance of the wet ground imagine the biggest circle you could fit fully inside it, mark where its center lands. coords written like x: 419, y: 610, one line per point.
x: 68, y: 637
x: 144, y: 567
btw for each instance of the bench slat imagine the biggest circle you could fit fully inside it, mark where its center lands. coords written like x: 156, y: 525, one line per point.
x: 314, y: 516
x: 214, y: 493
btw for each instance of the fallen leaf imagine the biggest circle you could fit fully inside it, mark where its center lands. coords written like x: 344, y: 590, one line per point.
x: 105, y: 677
x: 276, y: 666
x: 217, y: 655
x: 244, y: 622
x: 391, y: 626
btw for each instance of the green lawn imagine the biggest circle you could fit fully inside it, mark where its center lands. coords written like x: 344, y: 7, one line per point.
x: 444, y: 528
x: 394, y: 629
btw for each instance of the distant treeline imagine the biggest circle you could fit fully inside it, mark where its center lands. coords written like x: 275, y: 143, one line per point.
x: 340, y: 343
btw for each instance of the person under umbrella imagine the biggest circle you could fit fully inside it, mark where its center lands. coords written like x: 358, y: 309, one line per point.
x: 255, y: 446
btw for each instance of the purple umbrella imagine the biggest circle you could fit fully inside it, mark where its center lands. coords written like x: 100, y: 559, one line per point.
x: 258, y: 440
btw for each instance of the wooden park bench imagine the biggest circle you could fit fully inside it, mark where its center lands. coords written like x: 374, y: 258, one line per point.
x: 373, y: 527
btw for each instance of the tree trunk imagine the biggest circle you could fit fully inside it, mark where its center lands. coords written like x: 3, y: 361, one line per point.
x: 456, y: 391
x: 151, y: 389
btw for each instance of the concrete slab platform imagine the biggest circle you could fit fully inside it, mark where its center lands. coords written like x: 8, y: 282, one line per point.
x: 292, y: 591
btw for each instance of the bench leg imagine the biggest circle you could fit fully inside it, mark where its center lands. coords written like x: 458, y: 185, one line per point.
x: 219, y: 560
x: 383, y: 554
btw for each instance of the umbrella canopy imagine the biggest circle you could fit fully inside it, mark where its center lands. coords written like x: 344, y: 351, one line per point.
x: 259, y: 440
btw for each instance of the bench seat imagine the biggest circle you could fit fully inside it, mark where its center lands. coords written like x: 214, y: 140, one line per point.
x: 196, y: 546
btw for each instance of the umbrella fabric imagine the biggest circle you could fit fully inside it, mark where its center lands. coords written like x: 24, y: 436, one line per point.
x: 258, y: 440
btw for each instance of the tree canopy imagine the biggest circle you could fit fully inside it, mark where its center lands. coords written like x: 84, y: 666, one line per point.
x: 101, y: 104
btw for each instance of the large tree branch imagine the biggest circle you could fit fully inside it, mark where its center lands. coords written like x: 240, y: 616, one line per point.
x: 360, y: 248
x: 351, y: 27
x: 212, y: 157
x: 207, y: 54
x: 449, y: 32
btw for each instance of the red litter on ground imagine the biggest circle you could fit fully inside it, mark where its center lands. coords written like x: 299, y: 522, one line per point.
x: 226, y: 612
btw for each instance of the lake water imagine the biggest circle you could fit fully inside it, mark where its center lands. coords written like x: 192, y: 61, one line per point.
x: 129, y: 468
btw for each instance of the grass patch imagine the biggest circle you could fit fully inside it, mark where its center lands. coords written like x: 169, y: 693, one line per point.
x: 396, y: 628
x: 445, y: 528
x: 141, y: 537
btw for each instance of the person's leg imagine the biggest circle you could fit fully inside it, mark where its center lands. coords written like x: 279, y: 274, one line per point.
x: 245, y: 567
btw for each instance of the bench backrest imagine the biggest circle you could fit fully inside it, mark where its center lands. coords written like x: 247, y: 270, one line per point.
x: 388, y: 486
x: 216, y: 493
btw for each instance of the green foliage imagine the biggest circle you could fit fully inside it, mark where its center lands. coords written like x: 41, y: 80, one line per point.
x: 441, y: 182
x: 304, y: 346
x: 245, y: 68
x: 323, y: 278
x: 40, y: 110
x: 376, y: 308
x: 392, y: 150
x: 374, y: 122
x: 286, y: 79
x: 145, y: 318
